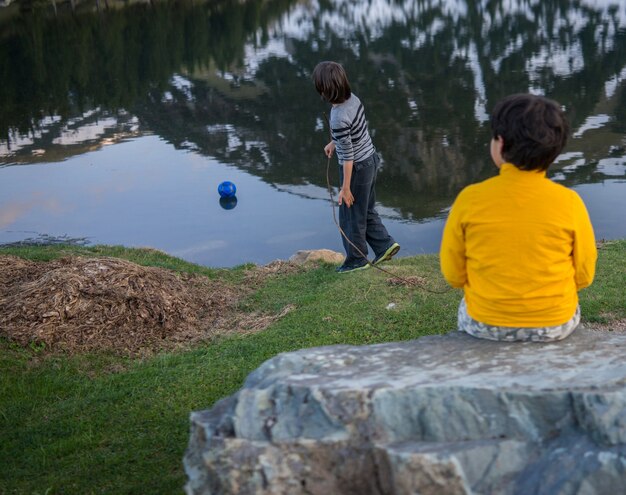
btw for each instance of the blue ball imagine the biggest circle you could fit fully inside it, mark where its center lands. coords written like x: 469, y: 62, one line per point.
x: 227, y: 189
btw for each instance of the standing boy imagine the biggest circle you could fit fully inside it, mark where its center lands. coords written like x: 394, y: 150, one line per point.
x: 358, y: 166
x: 520, y: 245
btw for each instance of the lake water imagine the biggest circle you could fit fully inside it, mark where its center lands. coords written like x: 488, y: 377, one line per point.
x: 118, y: 124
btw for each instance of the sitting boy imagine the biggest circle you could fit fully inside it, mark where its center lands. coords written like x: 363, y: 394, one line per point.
x: 520, y: 245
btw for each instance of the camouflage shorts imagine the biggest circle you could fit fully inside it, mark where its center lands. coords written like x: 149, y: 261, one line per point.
x: 509, y: 334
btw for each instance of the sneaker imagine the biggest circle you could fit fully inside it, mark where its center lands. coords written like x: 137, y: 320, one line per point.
x: 353, y: 268
x: 386, y: 255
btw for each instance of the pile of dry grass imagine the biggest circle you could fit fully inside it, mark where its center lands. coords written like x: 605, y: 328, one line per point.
x: 83, y: 304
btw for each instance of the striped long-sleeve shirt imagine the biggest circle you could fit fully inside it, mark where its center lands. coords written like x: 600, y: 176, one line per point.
x: 349, y: 131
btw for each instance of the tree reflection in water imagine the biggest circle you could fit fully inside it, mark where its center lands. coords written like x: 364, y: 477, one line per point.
x: 231, y: 80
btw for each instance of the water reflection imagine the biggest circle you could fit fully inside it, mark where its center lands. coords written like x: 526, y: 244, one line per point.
x: 229, y: 202
x: 231, y: 81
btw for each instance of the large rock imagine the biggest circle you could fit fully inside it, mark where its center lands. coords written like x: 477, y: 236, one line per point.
x: 316, y: 256
x: 439, y: 415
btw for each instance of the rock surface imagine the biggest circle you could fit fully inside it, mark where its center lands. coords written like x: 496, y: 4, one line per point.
x: 317, y: 255
x: 439, y: 415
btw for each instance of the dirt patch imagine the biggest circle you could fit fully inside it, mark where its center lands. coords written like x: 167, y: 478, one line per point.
x: 408, y: 281
x: 79, y: 304
x: 615, y: 325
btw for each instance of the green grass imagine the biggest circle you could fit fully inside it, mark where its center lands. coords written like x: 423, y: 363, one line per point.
x: 605, y: 300
x: 100, y: 423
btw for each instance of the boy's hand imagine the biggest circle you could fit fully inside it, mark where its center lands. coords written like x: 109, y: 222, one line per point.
x: 345, y: 196
x: 329, y: 149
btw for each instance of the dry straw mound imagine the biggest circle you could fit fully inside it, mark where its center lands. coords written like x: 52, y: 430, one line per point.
x: 81, y: 304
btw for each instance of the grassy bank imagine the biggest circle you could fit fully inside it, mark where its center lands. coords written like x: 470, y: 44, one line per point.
x: 99, y: 423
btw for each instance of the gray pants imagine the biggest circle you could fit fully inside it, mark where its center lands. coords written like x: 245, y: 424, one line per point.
x: 509, y: 334
x: 361, y: 222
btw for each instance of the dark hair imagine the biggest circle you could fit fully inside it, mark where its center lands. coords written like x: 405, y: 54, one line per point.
x: 534, y: 130
x: 331, y: 81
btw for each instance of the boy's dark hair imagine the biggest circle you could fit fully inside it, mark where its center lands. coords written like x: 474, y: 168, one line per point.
x: 331, y: 81
x: 534, y: 130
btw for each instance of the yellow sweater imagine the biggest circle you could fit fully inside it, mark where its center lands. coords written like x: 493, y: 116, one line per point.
x: 521, y: 247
